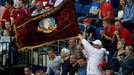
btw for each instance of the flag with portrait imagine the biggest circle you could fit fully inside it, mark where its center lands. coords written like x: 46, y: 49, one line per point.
x: 58, y: 23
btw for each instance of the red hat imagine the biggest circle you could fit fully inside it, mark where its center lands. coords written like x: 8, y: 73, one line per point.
x: 88, y: 20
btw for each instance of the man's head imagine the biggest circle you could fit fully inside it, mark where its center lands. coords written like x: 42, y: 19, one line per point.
x: 118, y: 25
x: 72, y: 43
x: 106, y: 23
x: 73, y: 58
x: 51, y: 53
x: 82, y: 61
x: 7, y: 25
x: 9, y: 3
x: 87, y: 21
x: 39, y: 5
x: 64, y: 53
x: 97, y: 44
x: 6, y: 33
x: 27, y: 70
x: 18, y: 4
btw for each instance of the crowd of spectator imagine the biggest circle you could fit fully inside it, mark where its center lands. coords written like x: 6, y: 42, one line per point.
x: 110, y: 53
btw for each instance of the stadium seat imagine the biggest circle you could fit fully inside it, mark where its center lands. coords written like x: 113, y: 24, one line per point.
x: 85, y: 10
x: 80, y: 19
x: 78, y: 7
x: 98, y: 35
x: 115, y: 12
x: 81, y: 27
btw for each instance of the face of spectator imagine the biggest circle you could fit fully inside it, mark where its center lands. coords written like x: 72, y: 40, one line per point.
x: 5, y: 32
x: 73, y: 59
x: 27, y: 71
x: 118, y: 25
x: 87, y: 24
x: 19, y: 4
x: 96, y: 46
x: 127, y: 50
x: 105, y: 24
x: 81, y: 62
x: 7, y: 25
x: 122, y: 2
x: 63, y: 55
x: 38, y: 5
x: 72, y: 43
x: 119, y: 45
x: 51, y: 54
x: 7, y: 5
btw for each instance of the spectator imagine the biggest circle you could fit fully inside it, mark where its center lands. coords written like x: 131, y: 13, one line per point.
x: 128, y: 62
x: 9, y: 13
x: 121, y: 51
x: 121, y: 8
x: 122, y: 33
x: 75, y: 66
x: 39, y: 9
x: 28, y: 70
x: 95, y: 56
x: 9, y: 28
x: 128, y: 18
x: 94, y: 9
x: 22, y: 9
x: 89, y: 32
x: 54, y: 63
x: 65, y: 66
x: 73, y: 47
x: 83, y: 66
x: 106, y: 10
x: 114, y: 62
x: 107, y: 35
x: 4, y: 46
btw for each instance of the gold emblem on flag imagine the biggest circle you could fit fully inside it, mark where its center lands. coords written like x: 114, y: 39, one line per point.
x: 47, y: 25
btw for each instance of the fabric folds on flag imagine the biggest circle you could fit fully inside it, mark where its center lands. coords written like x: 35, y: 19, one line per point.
x: 57, y: 24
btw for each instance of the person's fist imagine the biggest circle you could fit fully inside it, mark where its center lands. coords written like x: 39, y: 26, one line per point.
x: 80, y: 36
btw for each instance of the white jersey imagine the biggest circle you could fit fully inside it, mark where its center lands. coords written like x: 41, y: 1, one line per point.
x: 95, y: 57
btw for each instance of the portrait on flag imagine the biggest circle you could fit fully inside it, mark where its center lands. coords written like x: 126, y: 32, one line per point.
x: 47, y: 25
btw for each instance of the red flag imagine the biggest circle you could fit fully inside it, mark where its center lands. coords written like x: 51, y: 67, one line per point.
x: 57, y: 24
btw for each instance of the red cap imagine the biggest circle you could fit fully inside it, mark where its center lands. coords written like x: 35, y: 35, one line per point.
x: 88, y: 20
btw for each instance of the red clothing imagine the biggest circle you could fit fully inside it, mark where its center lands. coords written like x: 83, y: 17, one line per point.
x: 110, y: 32
x: 26, y: 11
x: 105, y: 8
x: 23, y: 12
x: 7, y: 14
x: 126, y: 35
